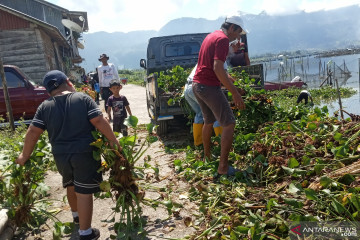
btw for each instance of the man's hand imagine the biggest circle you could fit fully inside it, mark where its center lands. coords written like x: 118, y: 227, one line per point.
x: 21, y: 160
x: 32, y: 136
x: 238, y: 101
x: 108, y: 119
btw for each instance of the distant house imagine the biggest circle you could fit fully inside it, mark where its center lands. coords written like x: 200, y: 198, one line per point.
x: 33, y: 37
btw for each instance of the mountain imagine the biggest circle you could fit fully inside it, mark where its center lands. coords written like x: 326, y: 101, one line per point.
x: 321, y: 30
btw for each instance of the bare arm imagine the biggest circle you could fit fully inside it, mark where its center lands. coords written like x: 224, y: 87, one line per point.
x: 108, y: 114
x: 128, y: 110
x: 32, y: 136
x: 224, y: 79
x: 104, y: 127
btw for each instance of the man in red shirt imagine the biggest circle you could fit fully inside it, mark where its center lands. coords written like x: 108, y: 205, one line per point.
x: 209, y: 76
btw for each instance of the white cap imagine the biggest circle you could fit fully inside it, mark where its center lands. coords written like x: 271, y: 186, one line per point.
x: 237, y: 21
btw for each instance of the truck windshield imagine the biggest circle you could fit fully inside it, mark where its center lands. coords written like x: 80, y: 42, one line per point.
x: 182, y: 49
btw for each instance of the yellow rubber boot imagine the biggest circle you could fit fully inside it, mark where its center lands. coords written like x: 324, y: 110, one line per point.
x: 197, y: 132
x: 218, y: 131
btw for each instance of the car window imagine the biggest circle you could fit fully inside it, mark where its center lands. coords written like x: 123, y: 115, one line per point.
x: 182, y: 49
x: 12, y: 80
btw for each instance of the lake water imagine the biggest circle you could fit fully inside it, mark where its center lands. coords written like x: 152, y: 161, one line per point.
x: 311, y: 67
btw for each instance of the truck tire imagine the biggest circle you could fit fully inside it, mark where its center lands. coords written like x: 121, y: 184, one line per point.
x: 162, y: 127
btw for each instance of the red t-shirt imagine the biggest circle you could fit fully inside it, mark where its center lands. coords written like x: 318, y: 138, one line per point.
x: 214, y: 46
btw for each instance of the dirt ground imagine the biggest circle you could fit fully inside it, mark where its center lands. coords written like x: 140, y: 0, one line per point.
x: 159, y: 225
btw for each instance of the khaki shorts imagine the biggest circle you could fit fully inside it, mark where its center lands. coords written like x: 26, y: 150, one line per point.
x: 214, y: 104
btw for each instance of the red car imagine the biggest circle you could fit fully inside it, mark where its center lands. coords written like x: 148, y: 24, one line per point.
x: 25, y: 95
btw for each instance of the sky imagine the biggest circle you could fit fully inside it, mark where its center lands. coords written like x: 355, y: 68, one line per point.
x: 132, y: 15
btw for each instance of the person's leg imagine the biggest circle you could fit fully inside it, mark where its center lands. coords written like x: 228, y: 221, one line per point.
x: 198, y: 120
x: 206, y: 137
x: 220, y: 108
x: 85, y: 210
x: 202, y: 93
x: 226, y: 143
x: 63, y: 164
x: 191, y: 99
x: 86, y: 181
x: 71, y: 196
x: 105, y: 96
x: 217, y: 128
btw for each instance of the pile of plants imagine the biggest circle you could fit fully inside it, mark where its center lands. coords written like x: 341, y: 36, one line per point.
x: 124, y: 177
x: 296, y: 164
x: 22, y: 188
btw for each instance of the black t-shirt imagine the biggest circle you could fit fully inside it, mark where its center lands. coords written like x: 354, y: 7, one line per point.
x: 67, y: 120
x: 118, y: 106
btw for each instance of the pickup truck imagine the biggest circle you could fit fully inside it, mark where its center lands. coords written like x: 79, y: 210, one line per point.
x: 25, y: 95
x: 165, y: 53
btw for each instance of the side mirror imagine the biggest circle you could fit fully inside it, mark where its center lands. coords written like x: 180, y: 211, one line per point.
x: 143, y: 63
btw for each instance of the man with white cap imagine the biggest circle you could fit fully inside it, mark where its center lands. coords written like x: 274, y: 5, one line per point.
x: 209, y: 76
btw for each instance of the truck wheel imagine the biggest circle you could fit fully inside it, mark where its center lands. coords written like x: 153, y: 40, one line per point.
x: 162, y: 127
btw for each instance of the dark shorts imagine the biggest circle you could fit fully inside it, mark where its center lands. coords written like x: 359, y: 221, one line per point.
x: 106, y: 93
x: 302, y: 96
x: 214, y: 104
x: 79, y: 170
x: 118, y: 126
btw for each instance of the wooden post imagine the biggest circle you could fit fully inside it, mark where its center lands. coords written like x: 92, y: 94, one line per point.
x: 340, y: 104
x: 6, y: 96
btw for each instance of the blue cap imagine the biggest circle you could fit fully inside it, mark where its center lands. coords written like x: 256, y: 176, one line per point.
x: 53, y: 79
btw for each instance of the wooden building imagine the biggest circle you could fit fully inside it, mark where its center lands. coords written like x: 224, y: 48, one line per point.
x: 33, y: 38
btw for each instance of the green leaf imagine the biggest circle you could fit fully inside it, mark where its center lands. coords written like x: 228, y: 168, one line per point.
x: 318, y: 168
x: 129, y: 140
x: 97, y: 155
x: 131, y: 121
x: 150, y: 127
x: 98, y: 143
x: 241, y: 229
x: 293, y: 202
x: 355, y: 200
x: 339, y: 208
x: 325, y: 181
x: 337, y: 136
x: 288, y: 170
x: 310, y: 194
x: 152, y: 139
x: 41, y: 144
x: 294, y: 188
x: 292, y: 163
x: 177, y: 162
x: 341, y: 151
x: 105, y: 186
x: 272, y: 202
x: 40, y: 154
x: 171, y: 102
x: 347, y: 179
x: 311, y: 126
